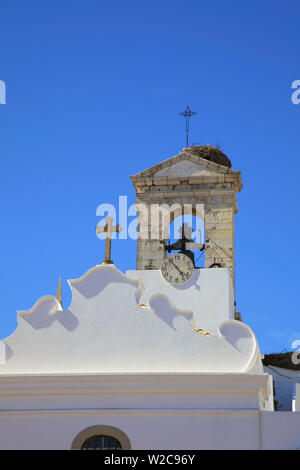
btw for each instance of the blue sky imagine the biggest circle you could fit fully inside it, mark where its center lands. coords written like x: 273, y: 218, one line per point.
x: 94, y: 90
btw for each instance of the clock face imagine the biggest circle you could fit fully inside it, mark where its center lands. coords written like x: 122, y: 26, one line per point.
x: 177, y: 268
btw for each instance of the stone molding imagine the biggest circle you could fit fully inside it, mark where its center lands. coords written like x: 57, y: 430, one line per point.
x: 221, y: 389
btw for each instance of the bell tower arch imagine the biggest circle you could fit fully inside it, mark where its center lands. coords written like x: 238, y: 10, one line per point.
x: 200, y: 178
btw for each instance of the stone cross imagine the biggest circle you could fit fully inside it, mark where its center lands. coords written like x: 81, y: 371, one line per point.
x: 108, y: 229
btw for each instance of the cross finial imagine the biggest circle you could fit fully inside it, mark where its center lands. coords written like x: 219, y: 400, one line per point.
x: 108, y: 229
x: 187, y: 114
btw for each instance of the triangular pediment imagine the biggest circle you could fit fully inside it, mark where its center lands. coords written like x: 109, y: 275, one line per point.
x: 185, y: 165
x: 186, y: 168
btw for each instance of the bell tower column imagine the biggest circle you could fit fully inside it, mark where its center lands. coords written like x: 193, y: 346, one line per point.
x: 194, y: 178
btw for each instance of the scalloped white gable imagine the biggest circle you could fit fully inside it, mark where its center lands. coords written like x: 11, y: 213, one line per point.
x: 132, y: 323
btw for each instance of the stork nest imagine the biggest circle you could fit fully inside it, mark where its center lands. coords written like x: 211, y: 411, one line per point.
x: 213, y: 154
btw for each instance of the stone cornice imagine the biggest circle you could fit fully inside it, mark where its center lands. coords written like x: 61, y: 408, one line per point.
x: 222, y: 173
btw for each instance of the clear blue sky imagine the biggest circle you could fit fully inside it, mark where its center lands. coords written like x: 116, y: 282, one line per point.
x: 94, y: 90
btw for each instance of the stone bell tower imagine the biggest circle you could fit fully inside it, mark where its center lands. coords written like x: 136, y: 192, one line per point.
x: 197, y: 176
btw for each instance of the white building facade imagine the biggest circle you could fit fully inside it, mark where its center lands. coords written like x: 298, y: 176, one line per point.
x: 138, y: 362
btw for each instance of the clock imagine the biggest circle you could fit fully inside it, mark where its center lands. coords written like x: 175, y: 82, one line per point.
x: 177, y: 268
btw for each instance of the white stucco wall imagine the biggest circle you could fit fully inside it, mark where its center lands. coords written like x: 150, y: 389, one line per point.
x: 187, y: 411
x: 284, y: 386
x: 208, y: 294
x: 296, y: 397
x: 155, y: 429
x: 280, y: 430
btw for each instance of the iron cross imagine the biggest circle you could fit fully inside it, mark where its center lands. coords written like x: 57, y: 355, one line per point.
x: 108, y: 229
x: 187, y: 114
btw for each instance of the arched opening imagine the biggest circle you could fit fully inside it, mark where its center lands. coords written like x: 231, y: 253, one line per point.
x: 99, y: 442
x: 187, y: 234
x: 101, y: 437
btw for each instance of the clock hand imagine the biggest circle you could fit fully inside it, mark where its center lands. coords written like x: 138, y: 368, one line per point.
x: 182, y: 273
